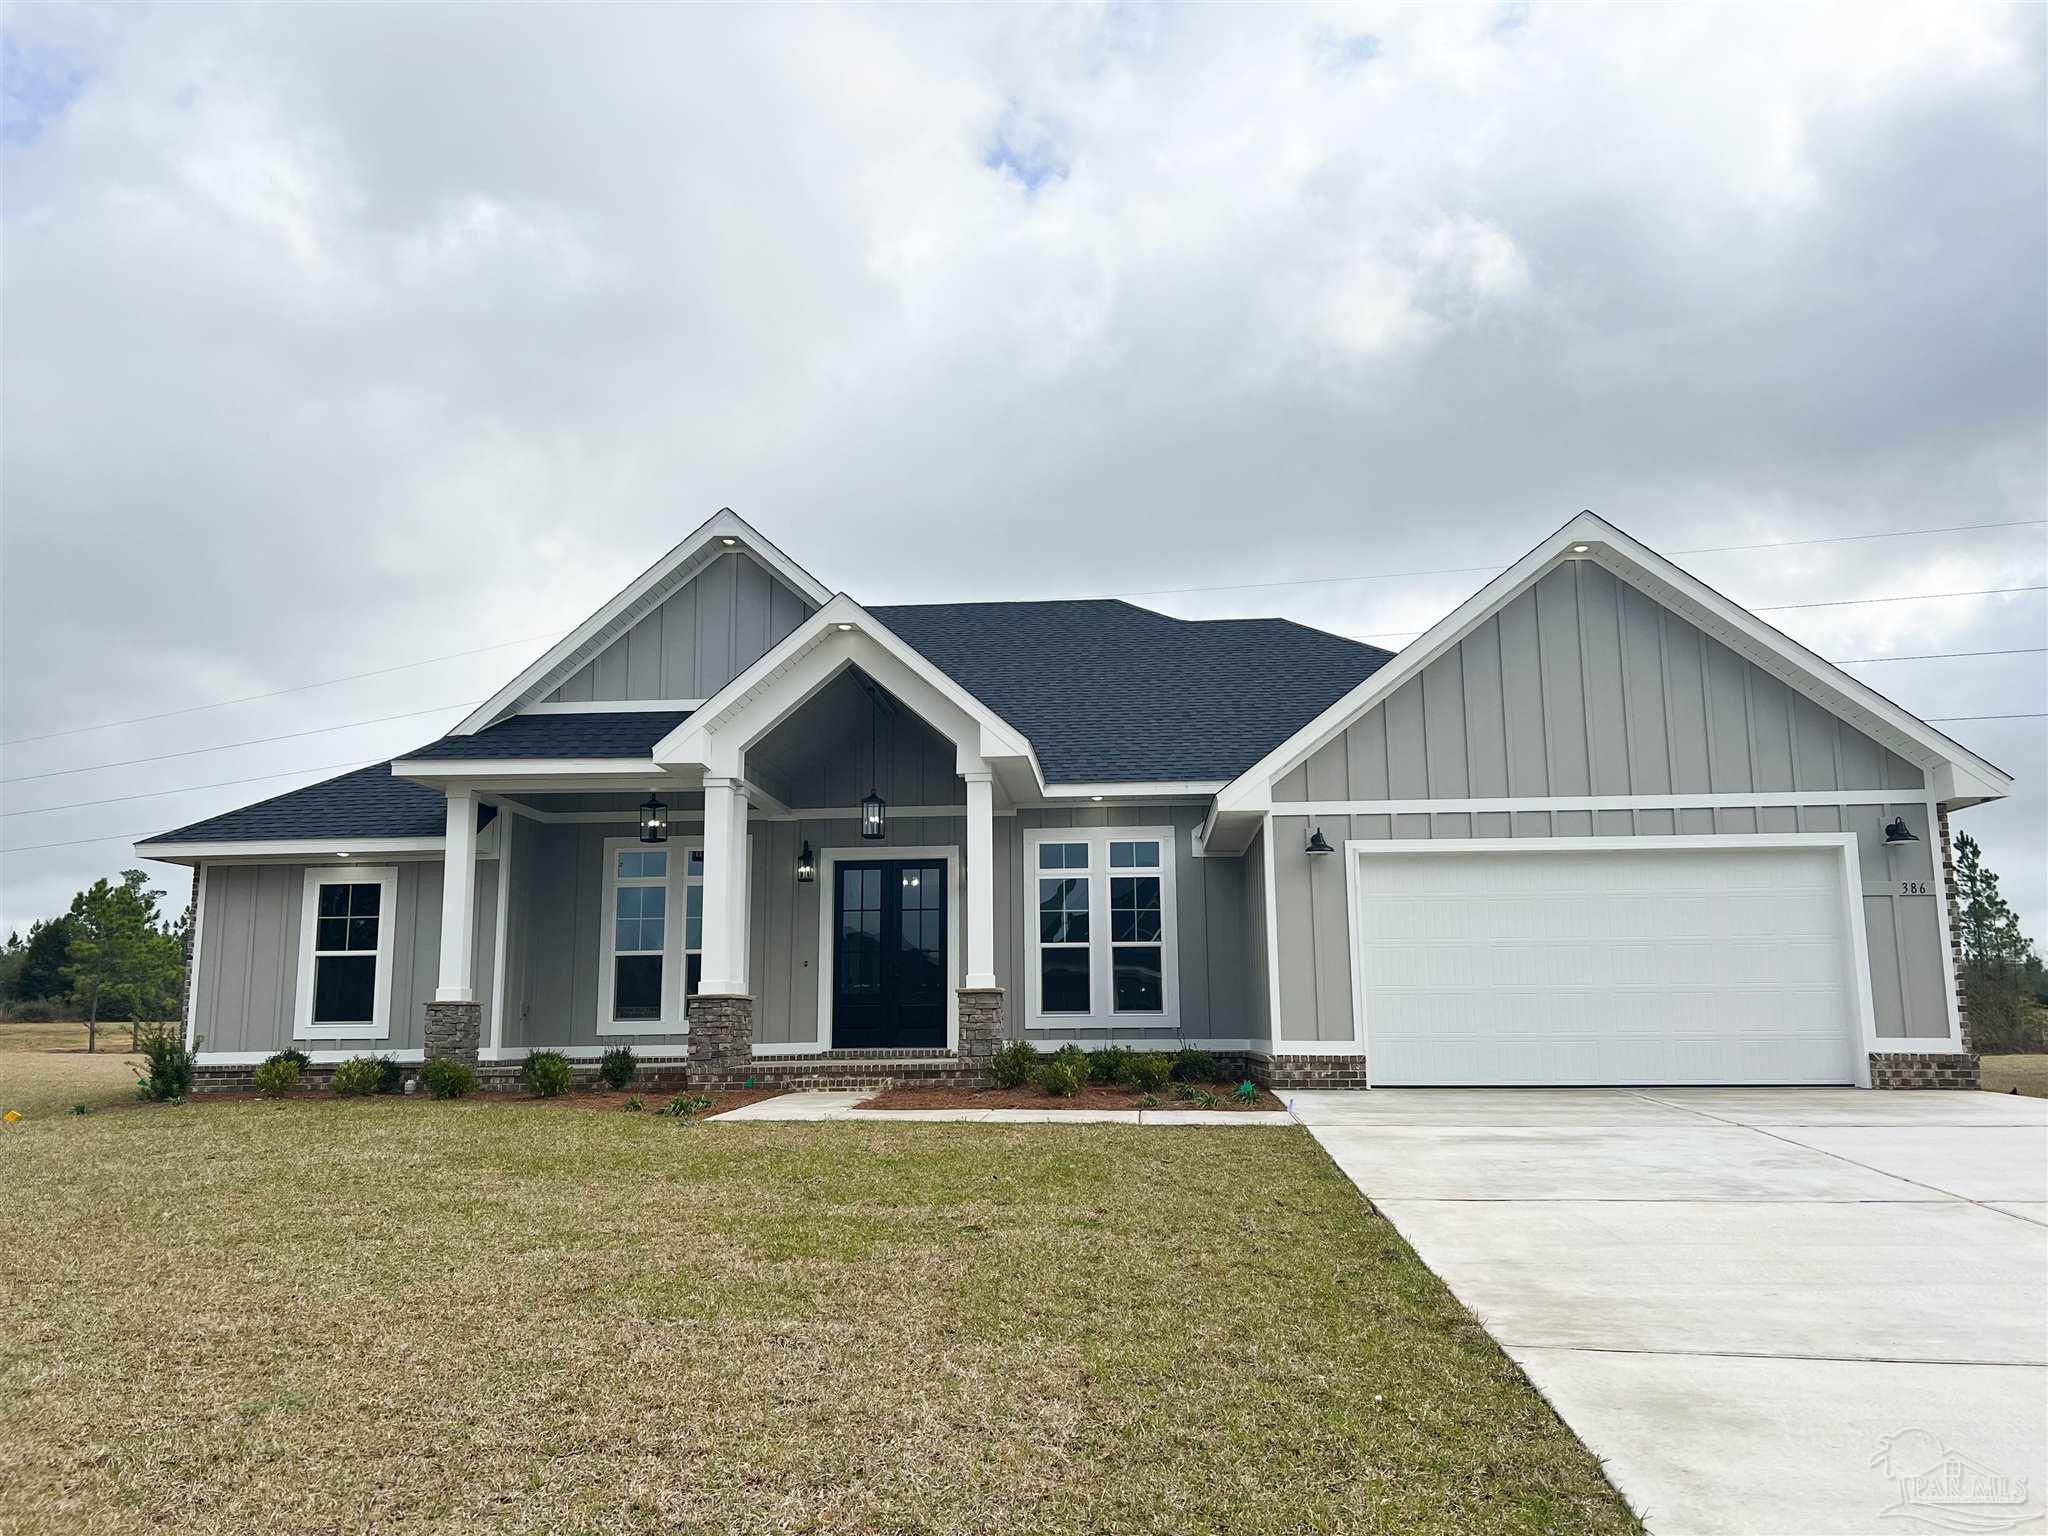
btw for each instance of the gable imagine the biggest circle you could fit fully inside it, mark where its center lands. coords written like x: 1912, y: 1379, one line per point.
x: 701, y: 636
x: 1583, y: 684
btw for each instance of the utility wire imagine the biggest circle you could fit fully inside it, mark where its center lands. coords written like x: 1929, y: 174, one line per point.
x: 189, y: 789
x: 2020, y: 650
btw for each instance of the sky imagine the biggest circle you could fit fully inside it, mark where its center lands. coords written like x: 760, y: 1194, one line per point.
x: 334, y: 339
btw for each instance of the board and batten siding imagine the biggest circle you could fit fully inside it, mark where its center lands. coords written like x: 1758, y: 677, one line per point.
x: 248, y: 965
x: 703, y: 635
x: 1582, y: 687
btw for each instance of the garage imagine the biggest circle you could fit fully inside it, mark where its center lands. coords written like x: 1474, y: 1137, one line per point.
x: 1609, y: 960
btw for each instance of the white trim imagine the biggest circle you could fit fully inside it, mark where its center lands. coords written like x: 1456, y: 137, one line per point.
x: 1843, y: 844
x: 405, y: 1058
x: 674, y: 948
x: 1102, y: 1012
x: 615, y: 707
x: 1136, y: 789
x: 1793, y: 664
x: 726, y: 532
x: 498, y: 959
x: 1941, y: 927
x: 828, y: 862
x: 289, y: 849
x: 378, y: 1027
x: 498, y: 1055
x: 1046, y: 1045
x: 456, y: 977
x: 639, y: 771
x: 1790, y: 799
x: 198, y: 936
x: 1273, y: 1021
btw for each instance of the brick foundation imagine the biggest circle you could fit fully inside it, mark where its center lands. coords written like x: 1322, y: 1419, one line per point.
x: 454, y: 1031
x: 721, y: 1048
x: 1283, y: 1070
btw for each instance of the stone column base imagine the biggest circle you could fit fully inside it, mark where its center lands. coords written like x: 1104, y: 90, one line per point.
x: 454, y: 1031
x: 1917, y: 1069
x: 981, y: 1027
x: 721, y: 1045
x: 1282, y: 1070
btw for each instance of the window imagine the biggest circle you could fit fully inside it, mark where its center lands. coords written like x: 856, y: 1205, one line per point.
x: 345, y: 954
x: 644, y: 947
x: 1103, y: 945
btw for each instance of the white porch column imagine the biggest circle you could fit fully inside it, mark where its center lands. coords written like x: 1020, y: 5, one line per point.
x: 981, y: 880
x: 458, y: 901
x: 725, y: 916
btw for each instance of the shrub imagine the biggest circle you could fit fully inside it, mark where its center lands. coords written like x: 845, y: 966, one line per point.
x: 447, y: 1079
x: 684, y: 1105
x: 616, y: 1066
x: 1246, y: 1092
x: 295, y: 1056
x: 357, y: 1076
x: 1014, y: 1064
x: 633, y: 1103
x: 167, y: 1074
x: 1193, y: 1066
x: 1146, y: 1071
x: 1107, y: 1065
x: 390, y: 1076
x: 1074, y: 1057
x: 1059, y: 1076
x: 276, y: 1077
x: 547, y: 1074
x: 36, y: 1010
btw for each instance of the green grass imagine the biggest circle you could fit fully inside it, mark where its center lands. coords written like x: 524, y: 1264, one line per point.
x: 2028, y: 1074
x: 403, y: 1316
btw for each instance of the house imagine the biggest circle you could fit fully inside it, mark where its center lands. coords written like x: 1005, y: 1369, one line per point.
x: 1600, y: 825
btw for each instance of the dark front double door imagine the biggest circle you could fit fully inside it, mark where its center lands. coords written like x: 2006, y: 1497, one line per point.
x: 889, y: 954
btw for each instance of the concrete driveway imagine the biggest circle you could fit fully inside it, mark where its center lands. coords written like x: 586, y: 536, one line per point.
x: 1766, y: 1310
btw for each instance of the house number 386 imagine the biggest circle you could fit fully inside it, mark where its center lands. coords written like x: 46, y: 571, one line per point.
x: 1916, y: 888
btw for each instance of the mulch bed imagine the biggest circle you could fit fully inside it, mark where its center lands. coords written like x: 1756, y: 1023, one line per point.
x: 1093, y: 1096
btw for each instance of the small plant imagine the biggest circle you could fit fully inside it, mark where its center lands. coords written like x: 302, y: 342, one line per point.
x: 1246, y: 1092
x: 81, y: 1109
x: 292, y: 1054
x: 1149, y: 1101
x: 684, y: 1105
x: 633, y: 1103
x: 1108, y: 1065
x: 1059, y: 1077
x: 1193, y: 1066
x: 617, y: 1065
x: 390, y: 1076
x: 1074, y: 1057
x: 1146, y: 1071
x: 444, y: 1078
x: 357, y: 1076
x: 276, y: 1077
x: 1014, y: 1064
x: 1201, y: 1098
x: 168, y: 1062
x: 547, y: 1074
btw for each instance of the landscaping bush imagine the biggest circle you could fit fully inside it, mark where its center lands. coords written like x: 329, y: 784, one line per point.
x: 167, y: 1063
x: 1013, y: 1065
x: 296, y: 1057
x: 357, y: 1076
x: 390, y: 1076
x: 1060, y: 1077
x: 1107, y: 1065
x: 446, y: 1079
x: 36, y: 1010
x: 276, y: 1077
x: 1075, y: 1058
x: 1147, y: 1071
x: 1193, y: 1066
x: 547, y: 1074
x: 616, y: 1066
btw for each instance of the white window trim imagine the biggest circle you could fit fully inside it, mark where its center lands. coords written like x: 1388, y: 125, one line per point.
x: 1102, y: 1013
x: 829, y: 860
x: 673, y: 1020
x: 384, y: 876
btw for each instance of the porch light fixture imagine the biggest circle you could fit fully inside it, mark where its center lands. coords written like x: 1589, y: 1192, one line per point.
x: 806, y: 865
x: 846, y: 629
x: 1898, y: 832
x: 874, y: 810
x: 1317, y: 843
x: 1582, y: 549
x: 729, y: 542
x: 653, y: 820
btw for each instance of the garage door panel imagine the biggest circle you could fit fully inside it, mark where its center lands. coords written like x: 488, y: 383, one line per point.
x: 1617, y: 965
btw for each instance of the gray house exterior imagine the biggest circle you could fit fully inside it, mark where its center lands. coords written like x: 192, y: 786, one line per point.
x: 1598, y: 825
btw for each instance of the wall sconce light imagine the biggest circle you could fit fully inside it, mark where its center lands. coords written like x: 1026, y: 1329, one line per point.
x: 806, y: 865
x: 1898, y: 832
x: 1317, y: 843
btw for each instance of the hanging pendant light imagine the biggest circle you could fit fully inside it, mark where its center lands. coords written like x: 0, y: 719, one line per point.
x: 874, y: 810
x: 653, y: 820
x: 806, y: 865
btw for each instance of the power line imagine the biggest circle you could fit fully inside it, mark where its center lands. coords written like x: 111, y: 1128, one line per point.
x: 1959, y: 719
x: 153, y: 794
x: 1467, y: 570
x: 250, y: 698
x: 228, y: 746
x: 2021, y: 650
x: 77, y: 842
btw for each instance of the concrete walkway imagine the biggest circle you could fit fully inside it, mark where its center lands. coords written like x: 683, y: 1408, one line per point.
x: 1760, y: 1307
x: 843, y: 1106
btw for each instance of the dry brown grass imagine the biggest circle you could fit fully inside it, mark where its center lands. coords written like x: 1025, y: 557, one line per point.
x: 44, y: 1069
x: 354, y: 1316
x: 2024, y: 1074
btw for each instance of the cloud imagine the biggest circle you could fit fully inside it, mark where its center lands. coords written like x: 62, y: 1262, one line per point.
x: 337, y: 337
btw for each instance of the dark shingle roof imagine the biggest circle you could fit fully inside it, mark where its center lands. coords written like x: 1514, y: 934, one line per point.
x: 620, y: 733
x: 367, y: 802
x: 1108, y: 691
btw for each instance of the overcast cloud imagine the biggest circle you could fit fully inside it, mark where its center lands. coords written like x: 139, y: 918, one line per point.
x: 337, y: 337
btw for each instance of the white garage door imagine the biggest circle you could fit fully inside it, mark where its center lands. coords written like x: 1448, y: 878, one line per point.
x: 1625, y: 962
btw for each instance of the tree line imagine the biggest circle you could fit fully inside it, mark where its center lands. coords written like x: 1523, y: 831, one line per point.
x: 112, y: 956
x: 2002, y: 979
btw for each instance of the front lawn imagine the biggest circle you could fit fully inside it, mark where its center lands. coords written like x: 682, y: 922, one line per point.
x: 2006, y: 1074
x: 393, y: 1315
x: 45, y: 1069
